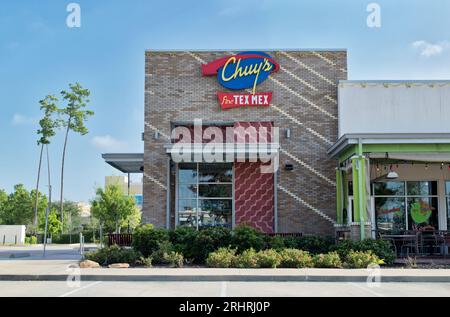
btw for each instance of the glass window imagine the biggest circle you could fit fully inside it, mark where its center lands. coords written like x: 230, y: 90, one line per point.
x: 389, y: 188
x: 423, y: 213
x: 187, y: 173
x: 422, y: 188
x: 414, y: 209
x: 187, y: 191
x: 215, y: 190
x: 447, y: 193
x: 390, y: 214
x: 187, y: 211
x: 215, y: 212
x: 205, y: 195
x: 215, y: 173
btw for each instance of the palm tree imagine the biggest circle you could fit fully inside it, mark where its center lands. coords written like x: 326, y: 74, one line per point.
x: 46, y: 131
x: 77, y: 99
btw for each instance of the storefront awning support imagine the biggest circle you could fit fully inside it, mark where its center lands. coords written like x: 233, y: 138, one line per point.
x: 358, y: 164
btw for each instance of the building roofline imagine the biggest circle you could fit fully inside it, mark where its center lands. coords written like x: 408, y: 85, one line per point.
x: 394, y: 81
x: 119, y: 161
x: 250, y: 49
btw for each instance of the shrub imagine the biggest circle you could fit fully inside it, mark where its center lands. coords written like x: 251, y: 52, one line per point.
x: 344, y: 247
x: 222, y: 258
x: 114, y: 254
x: 183, y: 240
x: 328, y: 260
x: 361, y: 259
x: 382, y: 249
x: 159, y: 255
x: 209, y: 240
x: 31, y: 240
x: 290, y: 242
x: 145, y: 261
x: 196, y: 245
x: 146, y: 239
x: 275, y: 242
x: 245, y: 237
x: 247, y: 259
x: 174, y: 259
x: 315, y: 244
x: 268, y: 259
x: 294, y: 258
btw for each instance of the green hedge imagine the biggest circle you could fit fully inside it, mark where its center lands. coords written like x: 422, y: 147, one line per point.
x: 114, y: 254
x: 196, y: 246
x: 146, y: 239
x: 381, y: 248
x: 289, y: 258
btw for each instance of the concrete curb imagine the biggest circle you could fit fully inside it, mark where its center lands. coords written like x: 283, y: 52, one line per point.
x: 227, y: 278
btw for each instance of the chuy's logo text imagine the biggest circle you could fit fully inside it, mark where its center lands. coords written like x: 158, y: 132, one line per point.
x: 242, y: 71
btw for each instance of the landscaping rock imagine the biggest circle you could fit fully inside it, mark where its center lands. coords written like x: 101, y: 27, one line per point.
x: 88, y: 264
x: 119, y: 266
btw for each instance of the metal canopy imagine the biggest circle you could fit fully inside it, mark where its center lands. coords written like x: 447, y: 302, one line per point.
x: 125, y: 162
x: 349, y: 140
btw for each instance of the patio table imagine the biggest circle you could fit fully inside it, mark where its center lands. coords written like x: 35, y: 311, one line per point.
x: 397, y: 238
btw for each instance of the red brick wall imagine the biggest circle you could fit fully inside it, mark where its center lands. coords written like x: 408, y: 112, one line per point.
x: 304, y: 100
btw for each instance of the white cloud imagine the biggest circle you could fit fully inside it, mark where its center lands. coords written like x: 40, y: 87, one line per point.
x: 108, y: 143
x: 19, y: 119
x: 428, y: 49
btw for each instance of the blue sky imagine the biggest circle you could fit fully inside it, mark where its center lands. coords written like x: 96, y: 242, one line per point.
x: 39, y: 55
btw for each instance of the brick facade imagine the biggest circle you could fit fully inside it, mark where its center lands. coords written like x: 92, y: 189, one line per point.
x: 304, y: 100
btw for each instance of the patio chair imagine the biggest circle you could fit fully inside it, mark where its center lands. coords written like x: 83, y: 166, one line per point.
x: 445, y: 242
x: 411, y: 245
x: 431, y: 242
x: 388, y: 239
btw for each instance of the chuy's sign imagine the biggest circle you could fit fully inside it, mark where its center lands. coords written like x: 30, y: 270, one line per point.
x: 242, y: 71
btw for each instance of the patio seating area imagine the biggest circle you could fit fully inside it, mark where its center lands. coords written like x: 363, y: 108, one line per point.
x: 429, y: 243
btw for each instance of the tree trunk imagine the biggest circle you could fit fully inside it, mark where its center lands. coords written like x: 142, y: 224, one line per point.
x: 49, y: 205
x: 35, y: 222
x: 61, y: 201
x: 49, y: 179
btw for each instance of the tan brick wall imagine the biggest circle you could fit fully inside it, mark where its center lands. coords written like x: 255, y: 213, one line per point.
x: 304, y: 100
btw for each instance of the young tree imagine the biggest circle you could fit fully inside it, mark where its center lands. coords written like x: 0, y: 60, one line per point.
x: 114, y: 209
x: 3, y: 200
x: 18, y: 209
x: 54, y: 224
x: 75, y: 117
x: 71, y: 211
x: 46, y: 131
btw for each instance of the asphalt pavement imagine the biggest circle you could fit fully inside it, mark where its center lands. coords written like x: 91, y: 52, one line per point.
x: 220, y: 289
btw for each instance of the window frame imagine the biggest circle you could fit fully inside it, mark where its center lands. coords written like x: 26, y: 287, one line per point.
x: 447, y: 201
x: 405, y: 198
x: 197, y: 198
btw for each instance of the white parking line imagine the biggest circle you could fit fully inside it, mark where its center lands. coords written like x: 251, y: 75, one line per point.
x: 79, y: 289
x: 223, y: 289
x: 366, y: 289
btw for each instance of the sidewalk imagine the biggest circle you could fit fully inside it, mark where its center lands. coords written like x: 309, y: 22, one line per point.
x: 58, y: 270
x: 35, y: 252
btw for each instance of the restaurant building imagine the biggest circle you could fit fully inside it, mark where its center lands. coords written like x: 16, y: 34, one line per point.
x: 281, y: 141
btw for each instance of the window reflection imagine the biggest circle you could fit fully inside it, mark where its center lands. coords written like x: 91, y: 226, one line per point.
x: 390, y: 214
x: 205, y: 195
x: 397, y: 210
